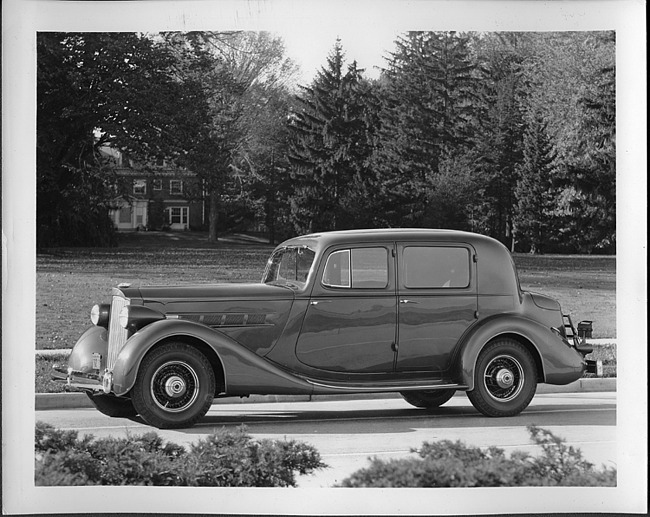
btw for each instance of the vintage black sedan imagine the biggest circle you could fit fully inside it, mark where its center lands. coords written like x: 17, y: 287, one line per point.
x: 420, y: 312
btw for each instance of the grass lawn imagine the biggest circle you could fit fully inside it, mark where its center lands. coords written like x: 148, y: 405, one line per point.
x: 584, y: 285
x: 70, y: 281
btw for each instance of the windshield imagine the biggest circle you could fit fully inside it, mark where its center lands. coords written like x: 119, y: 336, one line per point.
x: 289, y: 266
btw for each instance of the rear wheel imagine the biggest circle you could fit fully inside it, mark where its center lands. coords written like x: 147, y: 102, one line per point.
x: 174, y: 387
x: 428, y: 399
x: 505, y: 379
x: 110, y: 405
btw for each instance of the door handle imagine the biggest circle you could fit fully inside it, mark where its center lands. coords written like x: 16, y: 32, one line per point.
x: 317, y: 302
x: 405, y: 301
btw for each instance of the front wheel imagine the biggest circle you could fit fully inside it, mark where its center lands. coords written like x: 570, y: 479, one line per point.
x: 505, y: 379
x: 428, y: 399
x: 174, y: 387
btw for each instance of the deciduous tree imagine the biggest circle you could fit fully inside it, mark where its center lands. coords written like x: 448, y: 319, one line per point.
x: 573, y: 84
x: 239, y: 72
x: 96, y: 90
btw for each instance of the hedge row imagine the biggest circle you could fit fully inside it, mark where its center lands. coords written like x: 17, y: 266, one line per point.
x: 453, y: 464
x: 233, y: 458
x: 226, y: 458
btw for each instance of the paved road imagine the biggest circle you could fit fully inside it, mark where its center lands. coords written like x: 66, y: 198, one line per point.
x: 347, y: 432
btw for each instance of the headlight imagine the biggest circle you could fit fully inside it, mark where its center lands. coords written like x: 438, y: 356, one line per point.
x: 124, y: 317
x: 134, y: 317
x: 99, y: 315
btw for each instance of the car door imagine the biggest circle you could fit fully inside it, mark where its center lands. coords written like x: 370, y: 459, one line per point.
x: 437, y: 303
x: 350, y: 323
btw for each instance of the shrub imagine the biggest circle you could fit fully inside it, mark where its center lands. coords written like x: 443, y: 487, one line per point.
x: 226, y: 458
x: 453, y: 464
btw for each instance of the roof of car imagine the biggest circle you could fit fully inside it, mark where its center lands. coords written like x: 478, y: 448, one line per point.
x: 495, y: 266
x: 325, y: 239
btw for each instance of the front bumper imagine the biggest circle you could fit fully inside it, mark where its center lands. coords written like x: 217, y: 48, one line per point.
x: 93, y: 381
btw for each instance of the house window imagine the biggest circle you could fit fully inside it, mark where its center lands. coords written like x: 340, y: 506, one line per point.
x: 175, y: 187
x: 157, y: 184
x: 140, y: 213
x: 125, y: 214
x: 178, y: 214
x: 139, y: 186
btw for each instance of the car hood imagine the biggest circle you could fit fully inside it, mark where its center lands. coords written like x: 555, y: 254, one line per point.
x: 220, y: 292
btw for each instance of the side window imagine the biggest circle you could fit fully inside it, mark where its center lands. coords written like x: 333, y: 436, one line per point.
x: 370, y: 268
x: 361, y: 268
x: 337, y: 269
x: 295, y: 264
x: 436, y: 267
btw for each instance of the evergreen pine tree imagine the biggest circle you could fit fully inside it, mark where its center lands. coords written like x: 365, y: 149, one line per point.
x: 499, y: 143
x: 426, y: 116
x: 330, y: 147
x: 536, y: 195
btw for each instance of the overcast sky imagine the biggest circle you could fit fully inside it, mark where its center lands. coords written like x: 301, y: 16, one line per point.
x: 309, y: 48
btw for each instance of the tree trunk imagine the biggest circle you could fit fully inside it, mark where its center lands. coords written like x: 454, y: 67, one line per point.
x: 270, y: 221
x: 213, y: 217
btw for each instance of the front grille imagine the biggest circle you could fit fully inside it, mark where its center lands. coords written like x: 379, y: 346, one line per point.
x: 117, y: 334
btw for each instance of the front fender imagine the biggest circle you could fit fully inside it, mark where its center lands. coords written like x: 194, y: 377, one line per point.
x: 93, y: 341
x: 559, y: 363
x: 244, y: 371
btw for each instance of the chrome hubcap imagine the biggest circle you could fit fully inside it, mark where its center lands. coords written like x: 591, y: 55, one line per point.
x: 175, y: 386
x: 504, y: 378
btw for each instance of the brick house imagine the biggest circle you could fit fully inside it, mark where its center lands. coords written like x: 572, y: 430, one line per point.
x: 159, y: 197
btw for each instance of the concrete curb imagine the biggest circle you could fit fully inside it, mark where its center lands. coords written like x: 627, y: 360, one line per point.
x: 46, y: 401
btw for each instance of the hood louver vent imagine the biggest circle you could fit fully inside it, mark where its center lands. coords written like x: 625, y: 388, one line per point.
x: 226, y: 320
x: 256, y: 319
x: 234, y: 319
x: 210, y: 319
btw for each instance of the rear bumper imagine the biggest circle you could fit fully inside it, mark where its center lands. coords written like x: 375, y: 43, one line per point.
x: 594, y: 367
x: 579, y: 337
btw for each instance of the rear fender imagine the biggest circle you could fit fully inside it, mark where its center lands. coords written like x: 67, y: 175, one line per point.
x: 244, y: 372
x: 557, y: 362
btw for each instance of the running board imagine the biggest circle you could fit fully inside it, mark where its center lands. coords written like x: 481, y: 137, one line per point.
x: 325, y: 388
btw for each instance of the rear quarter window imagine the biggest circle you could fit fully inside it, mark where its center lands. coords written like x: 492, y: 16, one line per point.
x: 436, y: 267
